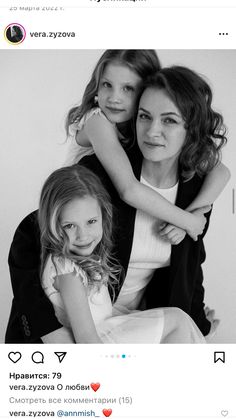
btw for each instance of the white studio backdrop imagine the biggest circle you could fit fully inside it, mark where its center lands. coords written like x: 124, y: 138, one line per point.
x: 38, y: 87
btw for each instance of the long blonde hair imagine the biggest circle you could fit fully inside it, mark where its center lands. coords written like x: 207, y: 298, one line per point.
x: 144, y: 62
x: 61, y: 187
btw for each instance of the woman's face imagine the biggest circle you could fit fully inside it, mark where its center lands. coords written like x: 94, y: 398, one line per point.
x: 160, y: 127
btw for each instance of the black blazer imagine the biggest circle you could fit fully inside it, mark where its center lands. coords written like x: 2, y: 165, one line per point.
x: 179, y: 285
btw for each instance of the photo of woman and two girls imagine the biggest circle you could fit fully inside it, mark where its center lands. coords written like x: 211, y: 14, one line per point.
x: 106, y: 245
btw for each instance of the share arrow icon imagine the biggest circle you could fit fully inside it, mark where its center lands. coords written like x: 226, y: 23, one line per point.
x: 60, y: 355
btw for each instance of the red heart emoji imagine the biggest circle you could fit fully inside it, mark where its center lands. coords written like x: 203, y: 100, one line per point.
x: 95, y: 386
x: 107, y: 412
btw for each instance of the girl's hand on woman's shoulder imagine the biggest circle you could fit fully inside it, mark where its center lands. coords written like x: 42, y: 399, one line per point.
x: 174, y: 235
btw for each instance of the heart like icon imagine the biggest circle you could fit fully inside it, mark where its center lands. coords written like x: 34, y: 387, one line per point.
x: 224, y: 413
x: 107, y: 412
x: 95, y: 386
x: 14, y: 356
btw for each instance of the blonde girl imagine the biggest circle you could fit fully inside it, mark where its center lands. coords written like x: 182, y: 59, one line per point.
x: 77, y: 269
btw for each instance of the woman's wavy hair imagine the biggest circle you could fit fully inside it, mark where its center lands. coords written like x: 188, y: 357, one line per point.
x: 143, y: 62
x: 61, y: 187
x: 205, y: 130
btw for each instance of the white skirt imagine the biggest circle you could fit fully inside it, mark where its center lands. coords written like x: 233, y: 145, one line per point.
x: 158, y: 325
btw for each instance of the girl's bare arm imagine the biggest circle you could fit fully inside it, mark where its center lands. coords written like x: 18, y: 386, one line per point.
x: 74, y: 296
x: 212, y: 187
x: 112, y: 156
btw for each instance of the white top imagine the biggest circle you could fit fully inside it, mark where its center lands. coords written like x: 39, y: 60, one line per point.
x: 149, y: 252
x: 119, y: 324
x: 113, y: 325
x: 96, y: 298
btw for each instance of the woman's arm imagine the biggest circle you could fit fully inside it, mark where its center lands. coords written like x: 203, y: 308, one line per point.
x: 74, y: 296
x: 212, y: 187
x: 106, y: 145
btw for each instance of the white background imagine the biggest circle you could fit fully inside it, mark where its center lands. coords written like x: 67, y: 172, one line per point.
x: 38, y: 87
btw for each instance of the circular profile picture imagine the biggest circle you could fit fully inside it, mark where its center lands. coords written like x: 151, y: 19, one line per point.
x: 15, y: 33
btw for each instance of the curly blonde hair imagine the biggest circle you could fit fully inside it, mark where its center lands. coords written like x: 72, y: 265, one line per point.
x: 61, y: 187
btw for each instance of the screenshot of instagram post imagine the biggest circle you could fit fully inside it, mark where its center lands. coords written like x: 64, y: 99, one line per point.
x: 118, y: 234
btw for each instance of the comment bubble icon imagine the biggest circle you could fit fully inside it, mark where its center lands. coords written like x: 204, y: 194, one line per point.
x: 37, y: 357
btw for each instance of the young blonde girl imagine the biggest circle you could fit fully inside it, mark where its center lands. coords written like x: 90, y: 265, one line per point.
x: 75, y: 219
x: 103, y: 124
